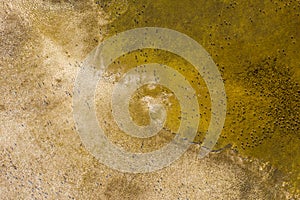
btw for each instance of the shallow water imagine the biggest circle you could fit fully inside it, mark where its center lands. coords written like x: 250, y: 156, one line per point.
x: 255, y: 46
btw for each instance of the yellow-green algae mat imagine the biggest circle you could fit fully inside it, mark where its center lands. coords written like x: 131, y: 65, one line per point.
x: 148, y: 74
x: 256, y: 47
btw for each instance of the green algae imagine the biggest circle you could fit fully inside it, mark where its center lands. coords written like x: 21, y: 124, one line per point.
x: 255, y: 46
